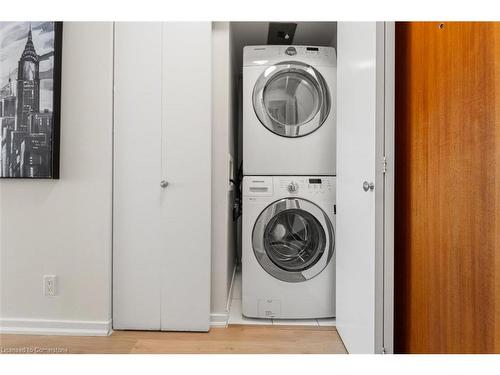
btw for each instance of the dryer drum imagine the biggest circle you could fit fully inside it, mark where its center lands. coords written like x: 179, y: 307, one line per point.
x: 291, y: 99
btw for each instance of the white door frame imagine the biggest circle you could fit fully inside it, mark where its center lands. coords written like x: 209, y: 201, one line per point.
x: 385, y: 212
x: 389, y: 192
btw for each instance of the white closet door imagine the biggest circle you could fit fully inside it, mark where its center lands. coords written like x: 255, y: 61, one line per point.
x: 137, y: 232
x: 186, y: 166
x: 162, y: 238
x: 364, y: 252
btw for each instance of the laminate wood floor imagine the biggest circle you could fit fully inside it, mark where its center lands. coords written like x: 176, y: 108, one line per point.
x: 238, y: 339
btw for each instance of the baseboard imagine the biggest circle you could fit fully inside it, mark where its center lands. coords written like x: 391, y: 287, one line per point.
x: 55, y: 327
x: 219, y: 320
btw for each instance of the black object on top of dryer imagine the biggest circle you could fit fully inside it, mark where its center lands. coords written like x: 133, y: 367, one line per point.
x: 281, y: 33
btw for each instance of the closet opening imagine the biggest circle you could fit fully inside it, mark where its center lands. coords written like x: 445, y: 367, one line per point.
x: 229, y: 40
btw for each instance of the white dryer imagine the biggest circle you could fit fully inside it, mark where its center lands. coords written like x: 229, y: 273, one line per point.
x: 289, y: 110
x: 288, y: 262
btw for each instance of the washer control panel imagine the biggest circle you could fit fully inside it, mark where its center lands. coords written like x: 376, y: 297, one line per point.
x: 289, y: 186
x: 300, y: 185
x: 258, y: 186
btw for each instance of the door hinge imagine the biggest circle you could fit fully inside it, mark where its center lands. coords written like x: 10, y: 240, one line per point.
x: 384, y: 165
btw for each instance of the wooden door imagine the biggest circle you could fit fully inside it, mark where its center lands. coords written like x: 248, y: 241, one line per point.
x: 447, y: 210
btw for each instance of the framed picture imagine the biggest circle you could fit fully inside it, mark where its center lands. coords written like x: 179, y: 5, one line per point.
x: 30, y: 99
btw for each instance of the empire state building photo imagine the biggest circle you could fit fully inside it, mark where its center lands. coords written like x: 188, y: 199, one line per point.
x: 27, y: 100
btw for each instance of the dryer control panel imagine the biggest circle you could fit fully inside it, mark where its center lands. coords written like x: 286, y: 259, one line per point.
x: 270, y: 55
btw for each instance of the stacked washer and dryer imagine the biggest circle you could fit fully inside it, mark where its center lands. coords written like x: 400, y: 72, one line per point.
x: 289, y: 148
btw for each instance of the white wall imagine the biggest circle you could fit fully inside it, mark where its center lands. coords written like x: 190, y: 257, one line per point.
x: 63, y: 227
x: 223, y: 242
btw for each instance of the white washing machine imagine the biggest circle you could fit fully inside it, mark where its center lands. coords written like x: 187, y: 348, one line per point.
x: 289, y: 110
x: 288, y: 262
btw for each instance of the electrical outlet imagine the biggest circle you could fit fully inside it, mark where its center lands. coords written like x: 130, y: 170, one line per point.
x: 49, y: 285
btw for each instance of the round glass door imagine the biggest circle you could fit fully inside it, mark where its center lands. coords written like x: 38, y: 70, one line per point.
x: 291, y: 99
x: 293, y: 239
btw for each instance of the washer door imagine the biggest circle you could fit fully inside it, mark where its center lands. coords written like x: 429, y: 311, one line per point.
x: 291, y: 99
x: 293, y: 240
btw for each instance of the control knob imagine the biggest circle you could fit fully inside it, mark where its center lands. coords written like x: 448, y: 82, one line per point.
x: 293, y: 187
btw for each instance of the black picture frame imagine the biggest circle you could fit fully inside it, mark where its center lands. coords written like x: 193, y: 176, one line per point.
x: 52, y: 142
x: 56, y: 140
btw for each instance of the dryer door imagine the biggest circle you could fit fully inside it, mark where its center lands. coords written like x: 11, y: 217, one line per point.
x: 291, y: 99
x: 293, y: 240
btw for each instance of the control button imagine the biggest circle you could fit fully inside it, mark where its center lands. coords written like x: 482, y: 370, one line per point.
x: 291, y: 51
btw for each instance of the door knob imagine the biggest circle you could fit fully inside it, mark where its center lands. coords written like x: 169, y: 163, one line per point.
x: 368, y: 186
x: 163, y: 183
